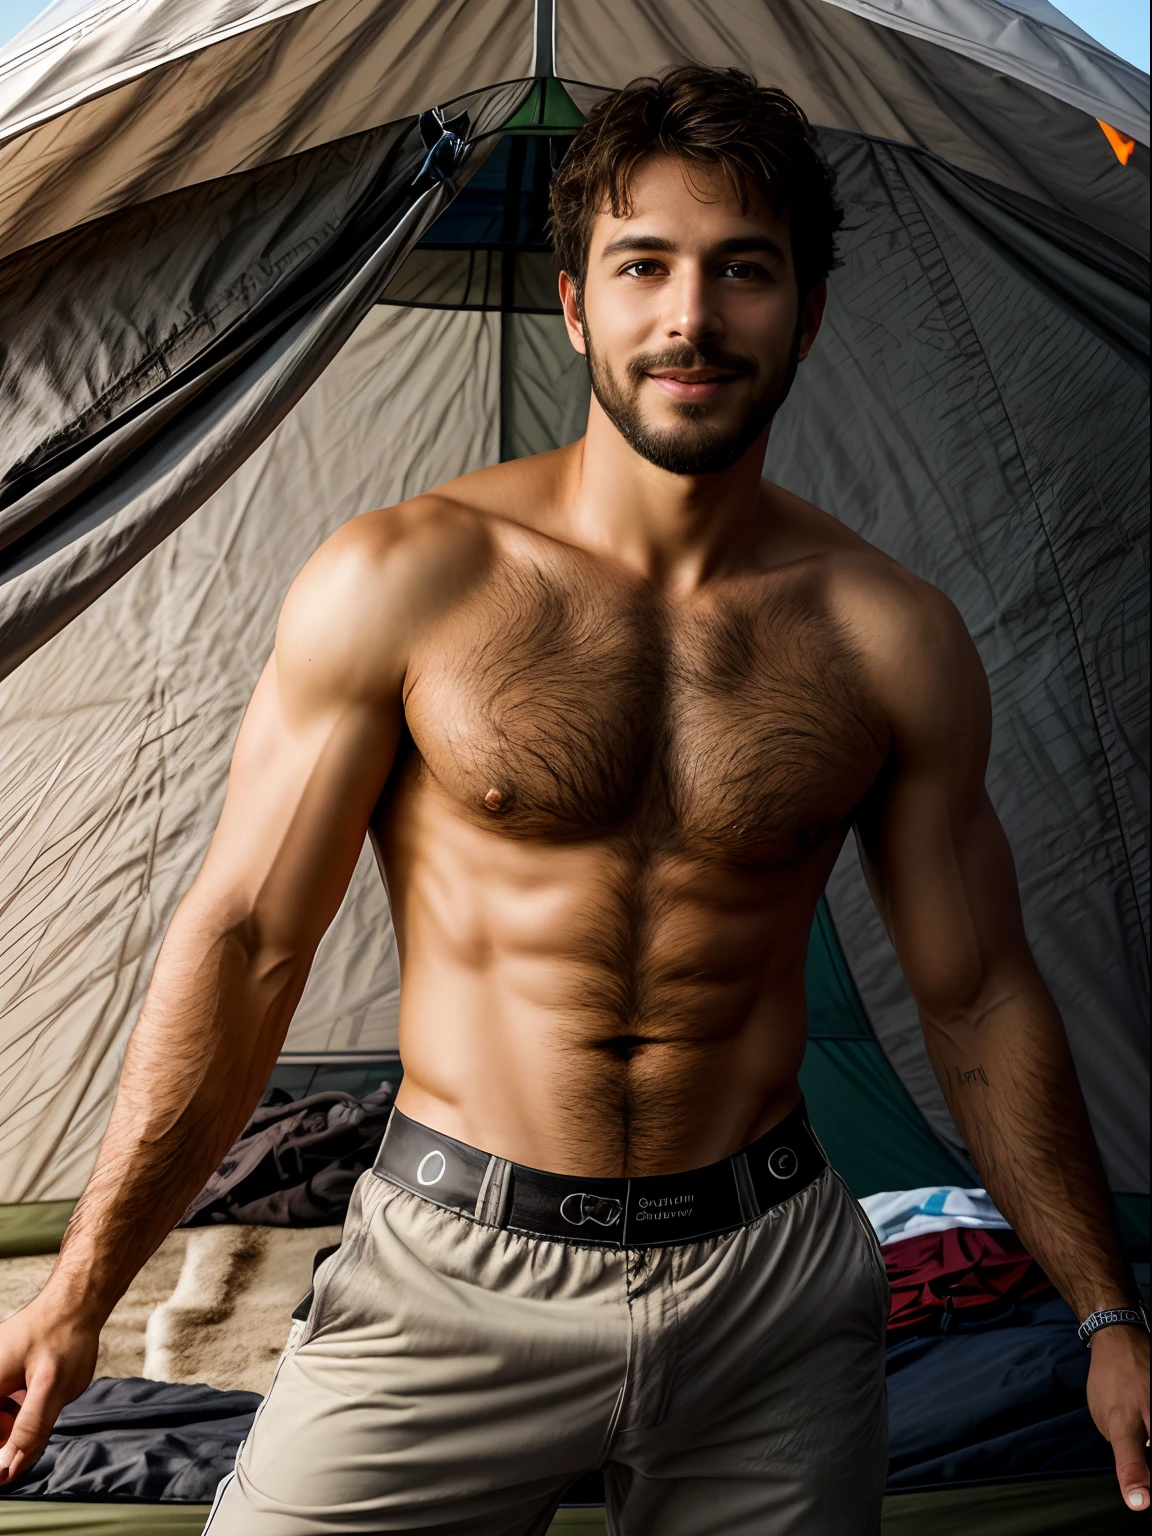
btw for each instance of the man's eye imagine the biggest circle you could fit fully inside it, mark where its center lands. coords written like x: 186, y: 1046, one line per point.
x: 743, y: 270
x: 642, y: 268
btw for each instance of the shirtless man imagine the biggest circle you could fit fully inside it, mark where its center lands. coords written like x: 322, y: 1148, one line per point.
x: 608, y: 715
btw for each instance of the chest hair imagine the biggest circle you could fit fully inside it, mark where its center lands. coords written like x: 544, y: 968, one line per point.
x: 737, y: 727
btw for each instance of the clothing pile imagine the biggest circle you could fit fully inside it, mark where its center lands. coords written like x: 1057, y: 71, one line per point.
x: 959, y: 1278
x: 296, y: 1161
x: 953, y: 1262
x: 986, y: 1375
x: 999, y: 1399
x: 902, y: 1213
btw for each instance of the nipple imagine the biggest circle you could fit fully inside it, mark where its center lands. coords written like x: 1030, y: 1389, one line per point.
x: 494, y: 800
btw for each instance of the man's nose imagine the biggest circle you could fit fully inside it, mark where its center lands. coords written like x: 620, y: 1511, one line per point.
x: 692, y: 315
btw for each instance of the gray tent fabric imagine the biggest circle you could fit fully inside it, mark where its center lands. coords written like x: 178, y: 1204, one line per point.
x: 848, y: 73
x: 128, y: 102
x: 544, y: 386
x: 115, y: 738
x: 959, y: 417
x: 1049, y: 52
x: 124, y: 103
x: 239, y: 328
x: 1099, y: 282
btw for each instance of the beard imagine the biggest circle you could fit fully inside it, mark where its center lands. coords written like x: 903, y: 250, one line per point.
x: 696, y: 446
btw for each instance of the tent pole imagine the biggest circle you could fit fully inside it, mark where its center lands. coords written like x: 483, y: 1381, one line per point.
x: 544, y: 39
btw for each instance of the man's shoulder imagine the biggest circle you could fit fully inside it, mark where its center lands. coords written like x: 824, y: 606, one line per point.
x: 890, y: 606
x: 919, y: 664
x: 351, y: 617
x: 419, y: 550
x: 907, y: 633
x: 875, y: 594
x: 449, y: 530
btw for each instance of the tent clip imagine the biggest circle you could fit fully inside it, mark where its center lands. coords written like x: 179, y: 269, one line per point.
x: 443, y: 139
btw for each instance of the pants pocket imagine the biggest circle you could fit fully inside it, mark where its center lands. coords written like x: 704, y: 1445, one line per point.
x: 366, y: 1200
x: 875, y: 1254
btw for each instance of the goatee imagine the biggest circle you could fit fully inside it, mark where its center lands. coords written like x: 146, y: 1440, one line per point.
x: 697, y: 447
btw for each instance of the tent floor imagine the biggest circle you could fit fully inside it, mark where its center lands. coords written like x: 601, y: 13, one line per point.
x: 1065, y: 1506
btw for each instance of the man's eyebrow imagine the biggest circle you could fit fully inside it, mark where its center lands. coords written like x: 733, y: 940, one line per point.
x: 736, y: 245
x: 624, y: 243
x: 741, y: 245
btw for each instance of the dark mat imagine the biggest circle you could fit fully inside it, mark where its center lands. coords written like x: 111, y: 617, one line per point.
x: 140, y: 1439
x: 999, y: 1401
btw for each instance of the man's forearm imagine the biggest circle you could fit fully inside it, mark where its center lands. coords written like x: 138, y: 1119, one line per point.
x: 209, y: 1032
x: 1010, y: 1081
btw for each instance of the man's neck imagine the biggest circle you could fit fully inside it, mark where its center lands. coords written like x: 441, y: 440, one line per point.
x: 676, y: 530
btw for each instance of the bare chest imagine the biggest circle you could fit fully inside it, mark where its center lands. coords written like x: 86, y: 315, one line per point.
x: 735, y: 728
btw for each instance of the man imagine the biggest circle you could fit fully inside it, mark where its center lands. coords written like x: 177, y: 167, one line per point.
x: 608, y: 715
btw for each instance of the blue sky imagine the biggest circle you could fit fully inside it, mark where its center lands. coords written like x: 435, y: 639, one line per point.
x: 1121, y: 25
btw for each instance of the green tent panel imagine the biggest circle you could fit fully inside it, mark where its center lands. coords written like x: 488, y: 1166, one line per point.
x: 865, y: 1118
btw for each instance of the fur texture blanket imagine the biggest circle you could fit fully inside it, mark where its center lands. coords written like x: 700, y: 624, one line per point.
x: 212, y: 1305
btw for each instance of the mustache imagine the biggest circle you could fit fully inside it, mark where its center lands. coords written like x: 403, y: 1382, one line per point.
x: 688, y: 357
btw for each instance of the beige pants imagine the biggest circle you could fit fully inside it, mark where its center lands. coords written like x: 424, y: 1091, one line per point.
x: 455, y: 1377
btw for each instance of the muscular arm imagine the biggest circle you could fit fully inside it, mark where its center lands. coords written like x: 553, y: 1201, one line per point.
x: 311, y: 758
x: 942, y: 876
x: 310, y: 762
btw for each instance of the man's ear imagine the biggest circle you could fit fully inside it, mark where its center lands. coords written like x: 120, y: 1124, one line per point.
x: 573, y: 320
x: 811, y: 314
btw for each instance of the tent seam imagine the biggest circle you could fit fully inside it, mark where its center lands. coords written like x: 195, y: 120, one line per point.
x: 203, y: 330
x: 1074, y: 622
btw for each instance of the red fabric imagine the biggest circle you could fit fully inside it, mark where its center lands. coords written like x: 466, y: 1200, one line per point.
x: 966, y: 1273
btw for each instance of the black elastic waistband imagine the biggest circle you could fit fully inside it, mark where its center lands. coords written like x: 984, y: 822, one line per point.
x: 612, y: 1213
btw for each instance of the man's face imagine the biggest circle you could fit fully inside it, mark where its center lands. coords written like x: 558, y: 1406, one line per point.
x: 691, y: 319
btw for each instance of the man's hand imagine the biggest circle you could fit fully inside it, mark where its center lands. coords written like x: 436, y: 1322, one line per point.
x: 1118, y: 1401
x: 47, y: 1357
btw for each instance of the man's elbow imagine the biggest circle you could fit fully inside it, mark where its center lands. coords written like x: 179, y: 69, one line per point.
x: 248, y: 946
x: 976, y: 997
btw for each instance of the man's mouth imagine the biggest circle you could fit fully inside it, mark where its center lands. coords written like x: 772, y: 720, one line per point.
x: 692, y: 384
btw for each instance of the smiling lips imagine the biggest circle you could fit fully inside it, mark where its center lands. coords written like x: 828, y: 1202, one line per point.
x: 692, y: 383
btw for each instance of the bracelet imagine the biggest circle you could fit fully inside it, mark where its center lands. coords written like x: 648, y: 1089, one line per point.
x: 1109, y: 1317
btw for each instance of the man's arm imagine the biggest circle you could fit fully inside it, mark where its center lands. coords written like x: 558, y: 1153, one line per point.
x: 941, y: 873
x: 311, y: 759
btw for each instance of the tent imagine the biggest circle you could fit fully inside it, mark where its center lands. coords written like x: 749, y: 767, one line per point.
x: 266, y: 264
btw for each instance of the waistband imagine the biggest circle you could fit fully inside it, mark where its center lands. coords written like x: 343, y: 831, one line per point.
x: 653, y: 1211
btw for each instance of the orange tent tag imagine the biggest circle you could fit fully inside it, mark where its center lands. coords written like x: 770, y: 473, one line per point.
x: 1122, y: 145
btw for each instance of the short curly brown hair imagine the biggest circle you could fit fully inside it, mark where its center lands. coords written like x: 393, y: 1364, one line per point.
x: 757, y: 136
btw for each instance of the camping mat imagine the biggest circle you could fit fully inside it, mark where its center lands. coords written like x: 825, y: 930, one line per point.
x: 34, y: 1227
x: 1057, y: 1506
x: 62, y: 1519
x: 1050, y: 1507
